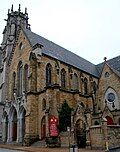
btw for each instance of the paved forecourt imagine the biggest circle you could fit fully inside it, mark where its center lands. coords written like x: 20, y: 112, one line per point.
x: 38, y: 149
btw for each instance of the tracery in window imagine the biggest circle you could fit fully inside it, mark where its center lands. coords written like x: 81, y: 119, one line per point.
x: 75, y: 82
x: 111, y: 99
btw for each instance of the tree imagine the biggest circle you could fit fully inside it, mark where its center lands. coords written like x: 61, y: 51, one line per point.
x: 64, y: 116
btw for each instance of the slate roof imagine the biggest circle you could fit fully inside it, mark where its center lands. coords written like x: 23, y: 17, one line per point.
x: 114, y: 63
x: 53, y: 50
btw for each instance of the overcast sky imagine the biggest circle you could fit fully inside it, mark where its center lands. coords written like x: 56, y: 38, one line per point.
x: 89, y: 28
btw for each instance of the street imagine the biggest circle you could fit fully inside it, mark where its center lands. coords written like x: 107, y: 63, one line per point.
x: 8, y: 150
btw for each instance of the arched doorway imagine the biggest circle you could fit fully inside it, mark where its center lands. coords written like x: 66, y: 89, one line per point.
x: 14, y: 126
x: 80, y: 133
x: 96, y: 123
x: 109, y: 120
x: 43, y: 128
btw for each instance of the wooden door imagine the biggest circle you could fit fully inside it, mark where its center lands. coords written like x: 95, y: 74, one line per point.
x: 14, y: 131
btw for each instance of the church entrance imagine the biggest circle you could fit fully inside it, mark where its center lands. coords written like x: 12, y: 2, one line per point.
x: 43, y: 128
x: 80, y: 133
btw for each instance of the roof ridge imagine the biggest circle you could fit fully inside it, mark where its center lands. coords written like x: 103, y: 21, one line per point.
x: 56, y: 51
x: 113, y: 63
x: 59, y: 45
x: 109, y: 60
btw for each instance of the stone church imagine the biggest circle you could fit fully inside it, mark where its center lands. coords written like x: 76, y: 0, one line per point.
x: 37, y: 76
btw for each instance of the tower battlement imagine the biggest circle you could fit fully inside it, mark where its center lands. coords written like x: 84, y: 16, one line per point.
x: 18, y: 17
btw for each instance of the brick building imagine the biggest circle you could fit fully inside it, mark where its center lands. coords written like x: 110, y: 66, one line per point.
x: 38, y: 76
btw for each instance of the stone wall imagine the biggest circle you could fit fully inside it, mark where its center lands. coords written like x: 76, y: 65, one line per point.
x: 98, y: 137
x: 105, y: 83
x: 1, y: 112
x: 113, y: 136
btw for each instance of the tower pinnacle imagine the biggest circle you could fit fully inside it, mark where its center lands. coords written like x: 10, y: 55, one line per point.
x: 19, y: 8
x: 25, y: 10
x: 12, y: 8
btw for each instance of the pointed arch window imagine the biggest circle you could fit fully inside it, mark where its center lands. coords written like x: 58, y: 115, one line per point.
x: 85, y: 86
x: 48, y: 74
x: 75, y: 82
x: 63, y: 78
x: 43, y: 104
x: 26, y: 78
x: 19, y: 79
x: 21, y: 46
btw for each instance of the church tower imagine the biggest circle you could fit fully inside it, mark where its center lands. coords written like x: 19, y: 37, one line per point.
x: 14, y: 21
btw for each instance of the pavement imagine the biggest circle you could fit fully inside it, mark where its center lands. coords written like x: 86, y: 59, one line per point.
x: 41, y: 149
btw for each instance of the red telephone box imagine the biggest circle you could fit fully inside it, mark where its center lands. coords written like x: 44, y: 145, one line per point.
x: 53, y: 126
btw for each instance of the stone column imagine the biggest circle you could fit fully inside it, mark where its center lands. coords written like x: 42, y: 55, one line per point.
x: 70, y: 80
x: 10, y: 131
x: 105, y: 134
x: 21, y: 130
x: 57, y: 79
x: 18, y: 130
x: 4, y: 131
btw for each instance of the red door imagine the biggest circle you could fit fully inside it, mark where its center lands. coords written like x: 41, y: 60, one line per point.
x: 109, y: 120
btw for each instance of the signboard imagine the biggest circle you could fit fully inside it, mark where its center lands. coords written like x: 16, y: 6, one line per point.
x: 53, y: 126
